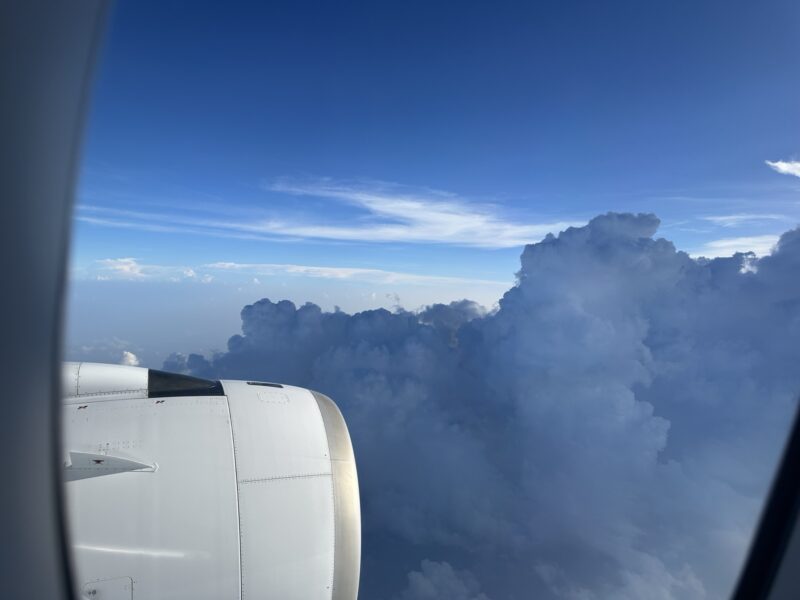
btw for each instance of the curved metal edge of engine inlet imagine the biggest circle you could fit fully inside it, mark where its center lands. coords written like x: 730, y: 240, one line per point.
x: 347, y: 506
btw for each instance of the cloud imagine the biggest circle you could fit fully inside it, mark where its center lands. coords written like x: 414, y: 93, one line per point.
x: 760, y: 245
x: 131, y: 269
x: 785, y: 167
x: 141, y: 221
x: 439, y: 581
x: 737, y: 220
x: 113, y: 350
x: 397, y: 214
x: 383, y: 213
x: 609, y: 431
x: 348, y: 273
x: 129, y: 359
x: 125, y: 268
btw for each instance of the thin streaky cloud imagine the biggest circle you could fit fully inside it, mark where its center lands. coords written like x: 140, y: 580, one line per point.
x: 389, y: 215
x: 160, y: 217
x: 178, y: 228
x: 120, y: 224
x: 131, y: 269
x: 785, y: 167
x: 392, y: 213
x: 737, y: 220
x: 347, y: 273
x: 760, y: 245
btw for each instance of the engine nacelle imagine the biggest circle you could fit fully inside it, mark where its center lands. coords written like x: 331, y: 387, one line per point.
x: 179, y: 487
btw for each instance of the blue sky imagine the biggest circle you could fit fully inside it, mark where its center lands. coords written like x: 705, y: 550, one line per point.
x: 375, y: 154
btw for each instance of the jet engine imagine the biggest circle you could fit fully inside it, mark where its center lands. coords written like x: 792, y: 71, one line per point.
x: 180, y: 487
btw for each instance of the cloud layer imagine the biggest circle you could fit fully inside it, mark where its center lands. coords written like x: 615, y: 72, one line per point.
x: 349, y: 273
x: 608, y: 432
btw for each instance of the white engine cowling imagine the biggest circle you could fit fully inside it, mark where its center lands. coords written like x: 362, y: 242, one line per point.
x: 179, y: 487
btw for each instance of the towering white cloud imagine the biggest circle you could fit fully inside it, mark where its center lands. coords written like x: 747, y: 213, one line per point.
x: 608, y: 432
x: 129, y: 359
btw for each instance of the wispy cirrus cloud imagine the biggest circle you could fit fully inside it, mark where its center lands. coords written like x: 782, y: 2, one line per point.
x: 785, y: 167
x: 372, y: 212
x: 397, y: 214
x: 168, y: 222
x: 741, y: 219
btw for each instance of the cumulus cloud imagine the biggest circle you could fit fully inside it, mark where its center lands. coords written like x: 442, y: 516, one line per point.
x: 132, y: 269
x: 785, y: 167
x: 129, y: 359
x: 112, y: 350
x: 608, y: 431
x: 126, y: 268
